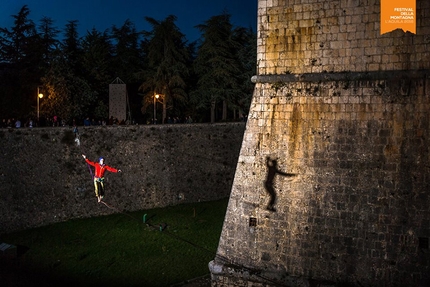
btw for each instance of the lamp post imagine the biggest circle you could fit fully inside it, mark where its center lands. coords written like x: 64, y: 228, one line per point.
x: 39, y: 95
x: 156, y: 96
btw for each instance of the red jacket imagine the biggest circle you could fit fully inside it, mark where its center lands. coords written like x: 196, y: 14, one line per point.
x: 100, y: 169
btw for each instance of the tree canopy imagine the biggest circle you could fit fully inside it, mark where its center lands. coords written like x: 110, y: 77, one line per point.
x: 207, y: 80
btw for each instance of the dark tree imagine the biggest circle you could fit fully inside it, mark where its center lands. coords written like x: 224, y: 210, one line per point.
x: 167, y: 69
x: 96, y: 62
x: 126, y: 55
x: 68, y: 93
x: 71, y: 47
x: 217, y: 65
x: 247, y: 55
x: 48, y: 40
x: 20, y: 59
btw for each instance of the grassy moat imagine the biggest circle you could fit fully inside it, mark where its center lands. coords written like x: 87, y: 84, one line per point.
x: 157, y: 247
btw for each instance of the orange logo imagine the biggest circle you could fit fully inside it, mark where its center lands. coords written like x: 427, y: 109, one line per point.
x: 398, y: 14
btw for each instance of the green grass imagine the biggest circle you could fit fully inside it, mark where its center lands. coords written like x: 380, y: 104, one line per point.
x: 120, y: 249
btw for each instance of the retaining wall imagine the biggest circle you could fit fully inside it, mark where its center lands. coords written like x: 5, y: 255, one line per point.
x: 44, y: 179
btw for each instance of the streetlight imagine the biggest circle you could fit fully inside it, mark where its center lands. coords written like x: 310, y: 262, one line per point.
x: 156, y: 96
x: 39, y: 96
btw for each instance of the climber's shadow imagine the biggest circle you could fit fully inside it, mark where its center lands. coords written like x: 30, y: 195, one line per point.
x: 272, y: 170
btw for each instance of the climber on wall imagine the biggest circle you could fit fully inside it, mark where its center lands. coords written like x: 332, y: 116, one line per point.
x: 100, y: 168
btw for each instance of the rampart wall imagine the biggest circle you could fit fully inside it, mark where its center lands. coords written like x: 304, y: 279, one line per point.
x: 44, y: 179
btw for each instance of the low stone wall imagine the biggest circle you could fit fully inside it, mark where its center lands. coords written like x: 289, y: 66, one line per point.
x: 44, y: 179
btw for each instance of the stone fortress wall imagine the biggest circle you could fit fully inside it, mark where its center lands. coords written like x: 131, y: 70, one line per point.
x: 44, y: 179
x: 345, y: 110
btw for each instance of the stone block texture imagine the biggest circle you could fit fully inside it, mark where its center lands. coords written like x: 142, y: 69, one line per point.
x: 345, y: 111
x: 44, y: 179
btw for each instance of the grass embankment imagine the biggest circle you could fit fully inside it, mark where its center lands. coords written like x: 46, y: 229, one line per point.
x: 118, y: 250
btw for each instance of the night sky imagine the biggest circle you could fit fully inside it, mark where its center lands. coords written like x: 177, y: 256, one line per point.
x: 103, y: 14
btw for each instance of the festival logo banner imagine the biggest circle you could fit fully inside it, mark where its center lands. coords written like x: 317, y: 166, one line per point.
x: 398, y: 14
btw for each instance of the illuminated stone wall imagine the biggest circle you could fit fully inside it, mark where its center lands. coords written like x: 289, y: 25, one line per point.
x: 118, y: 101
x: 335, y: 36
x: 44, y: 179
x: 345, y: 111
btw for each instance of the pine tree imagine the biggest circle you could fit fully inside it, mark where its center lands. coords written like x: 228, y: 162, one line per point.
x: 20, y: 58
x: 96, y: 62
x: 48, y: 40
x: 126, y: 56
x: 217, y: 65
x: 68, y: 93
x: 167, y: 70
